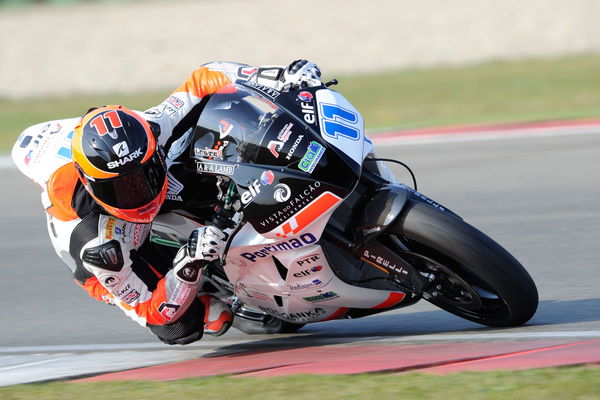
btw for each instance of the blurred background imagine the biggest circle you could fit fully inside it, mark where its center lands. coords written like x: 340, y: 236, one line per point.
x: 403, y: 63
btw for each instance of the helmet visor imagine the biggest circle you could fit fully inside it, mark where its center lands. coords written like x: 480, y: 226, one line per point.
x: 132, y: 189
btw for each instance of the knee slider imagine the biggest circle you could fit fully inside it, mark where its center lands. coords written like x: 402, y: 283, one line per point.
x: 187, y: 329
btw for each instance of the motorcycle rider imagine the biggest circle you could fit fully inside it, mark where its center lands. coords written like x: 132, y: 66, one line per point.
x: 101, y: 201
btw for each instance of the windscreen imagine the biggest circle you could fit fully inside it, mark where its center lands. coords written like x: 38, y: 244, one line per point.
x: 233, y: 124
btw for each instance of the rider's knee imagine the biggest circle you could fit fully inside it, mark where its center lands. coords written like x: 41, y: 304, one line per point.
x: 187, y: 329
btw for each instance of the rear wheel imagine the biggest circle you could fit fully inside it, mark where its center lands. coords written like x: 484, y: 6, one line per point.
x: 470, y: 274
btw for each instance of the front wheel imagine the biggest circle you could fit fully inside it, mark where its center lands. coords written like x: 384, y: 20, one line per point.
x: 469, y: 274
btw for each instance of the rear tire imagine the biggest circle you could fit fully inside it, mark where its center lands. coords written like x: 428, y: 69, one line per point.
x: 476, y: 278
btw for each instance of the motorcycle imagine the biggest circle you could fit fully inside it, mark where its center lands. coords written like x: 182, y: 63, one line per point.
x: 316, y: 231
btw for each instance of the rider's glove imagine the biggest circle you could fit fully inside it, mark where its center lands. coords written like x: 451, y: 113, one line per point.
x: 205, y: 244
x: 301, y: 74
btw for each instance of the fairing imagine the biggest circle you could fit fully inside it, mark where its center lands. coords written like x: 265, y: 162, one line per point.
x: 288, y: 174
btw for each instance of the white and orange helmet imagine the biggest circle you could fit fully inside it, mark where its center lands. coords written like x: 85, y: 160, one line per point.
x: 118, y: 160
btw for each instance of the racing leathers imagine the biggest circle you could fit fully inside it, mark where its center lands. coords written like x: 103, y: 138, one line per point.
x: 113, y: 259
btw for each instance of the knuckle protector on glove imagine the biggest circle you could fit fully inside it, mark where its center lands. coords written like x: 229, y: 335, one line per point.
x: 193, y: 243
x: 297, y: 65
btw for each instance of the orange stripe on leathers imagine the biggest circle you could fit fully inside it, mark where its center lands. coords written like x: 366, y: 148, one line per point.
x: 95, y: 289
x: 204, y: 81
x: 149, y: 308
x: 60, y: 187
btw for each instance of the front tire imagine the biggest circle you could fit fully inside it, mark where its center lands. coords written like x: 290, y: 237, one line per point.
x: 475, y: 277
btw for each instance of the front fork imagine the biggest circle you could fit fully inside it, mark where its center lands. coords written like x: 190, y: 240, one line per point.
x: 378, y: 208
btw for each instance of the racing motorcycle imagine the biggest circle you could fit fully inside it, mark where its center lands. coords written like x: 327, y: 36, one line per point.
x: 315, y: 231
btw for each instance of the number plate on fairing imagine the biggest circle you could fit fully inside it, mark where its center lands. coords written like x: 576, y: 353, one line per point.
x: 341, y: 124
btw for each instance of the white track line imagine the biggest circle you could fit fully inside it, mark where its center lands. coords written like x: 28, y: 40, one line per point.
x: 30, y: 364
x: 301, y: 339
x: 504, y: 335
x: 484, y: 135
x: 88, y: 348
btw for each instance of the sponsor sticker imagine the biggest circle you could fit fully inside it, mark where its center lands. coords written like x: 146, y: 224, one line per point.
x: 294, y: 147
x: 215, y: 168
x: 305, y: 96
x: 374, y: 258
x: 126, y: 159
x: 168, y: 310
x: 311, y: 158
x: 308, y: 260
x: 266, y: 178
x: 131, y: 297
x: 225, y: 128
x: 139, y: 233
x: 209, y: 153
x: 174, y: 187
x: 274, y: 147
x: 121, y: 149
x: 180, y: 294
x: 282, y: 192
x: 297, y: 203
x: 109, y: 281
x: 267, y: 91
x: 322, y: 297
x: 285, y: 132
x: 308, y: 271
x: 315, y: 283
x: 119, y: 293
x: 283, y: 136
x: 308, y: 214
x: 306, y: 315
x: 109, y: 229
x: 308, y: 111
x: 175, y: 102
x: 294, y: 243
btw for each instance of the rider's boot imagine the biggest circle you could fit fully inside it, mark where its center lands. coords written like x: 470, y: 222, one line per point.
x: 217, y: 316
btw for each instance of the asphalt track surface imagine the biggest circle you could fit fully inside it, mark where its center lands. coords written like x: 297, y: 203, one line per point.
x: 537, y: 192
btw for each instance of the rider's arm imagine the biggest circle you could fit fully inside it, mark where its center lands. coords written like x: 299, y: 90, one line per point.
x: 113, y: 259
x: 180, y: 111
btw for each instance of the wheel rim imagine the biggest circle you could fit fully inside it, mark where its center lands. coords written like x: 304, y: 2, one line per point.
x: 454, y: 288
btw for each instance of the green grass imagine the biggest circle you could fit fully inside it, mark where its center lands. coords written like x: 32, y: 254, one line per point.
x: 491, y: 93
x: 543, y: 384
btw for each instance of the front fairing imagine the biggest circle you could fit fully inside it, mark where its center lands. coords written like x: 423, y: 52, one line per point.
x: 270, y: 145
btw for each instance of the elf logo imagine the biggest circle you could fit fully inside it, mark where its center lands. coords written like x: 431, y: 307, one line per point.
x: 309, y: 271
x: 266, y: 178
x: 309, y: 112
x: 253, y: 191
